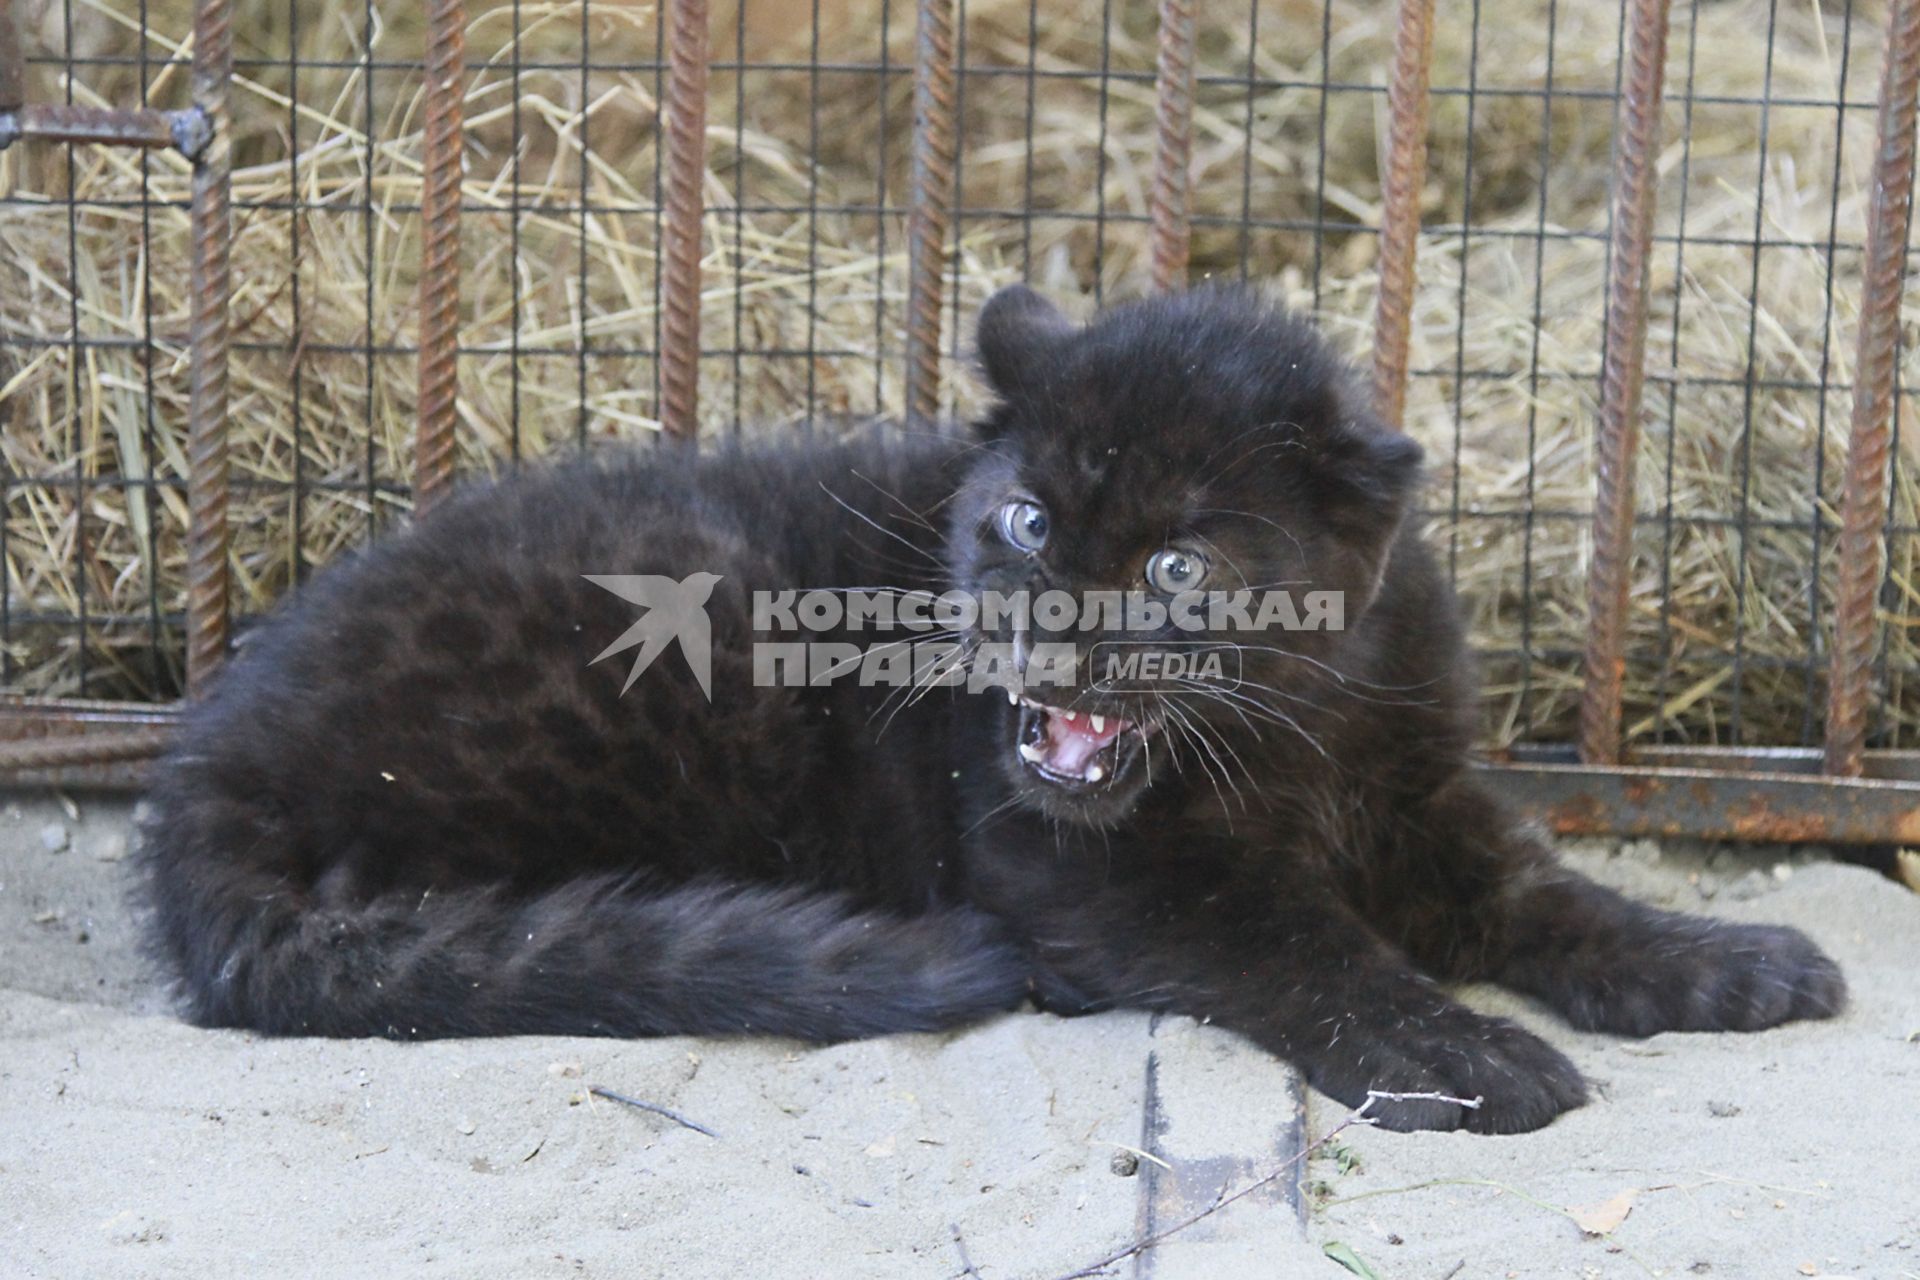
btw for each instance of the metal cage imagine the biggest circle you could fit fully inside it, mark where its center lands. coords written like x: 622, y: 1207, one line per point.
x: 1835, y: 790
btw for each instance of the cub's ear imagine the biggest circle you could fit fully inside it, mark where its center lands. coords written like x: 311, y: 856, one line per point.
x: 1365, y: 469
x: 1367, y: 482
x: 1017, y: 332
x: 1385, y: 464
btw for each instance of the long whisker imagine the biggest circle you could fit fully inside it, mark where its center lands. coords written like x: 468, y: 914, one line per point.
x: 997, y: 811
x: 1279, y: 528
x: 881, y: 529
x: 897, y: 501
x: 1185, y: 725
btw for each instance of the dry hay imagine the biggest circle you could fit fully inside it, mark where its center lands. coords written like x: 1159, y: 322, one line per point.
x: 810, y: 274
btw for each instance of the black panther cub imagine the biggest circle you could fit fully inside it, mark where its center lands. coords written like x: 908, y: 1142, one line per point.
x: 416, y: 804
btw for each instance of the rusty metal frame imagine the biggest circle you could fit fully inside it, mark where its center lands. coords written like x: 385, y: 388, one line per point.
x: 187, y: 130
x: 1710, y: 804
x: 1704, y: 793
x: 1840, y: 793
x: 73, y: 742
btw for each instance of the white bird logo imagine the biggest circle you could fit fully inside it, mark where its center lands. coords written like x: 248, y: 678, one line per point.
x: 674, y: 611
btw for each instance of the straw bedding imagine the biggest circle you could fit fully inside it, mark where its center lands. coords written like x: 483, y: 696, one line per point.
x: 96, y: 514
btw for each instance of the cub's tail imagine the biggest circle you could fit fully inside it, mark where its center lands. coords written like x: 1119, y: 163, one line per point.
x: 596, y: 956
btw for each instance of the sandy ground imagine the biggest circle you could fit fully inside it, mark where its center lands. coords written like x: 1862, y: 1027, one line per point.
x: 1795, y: 1152
x: 131, y: 1144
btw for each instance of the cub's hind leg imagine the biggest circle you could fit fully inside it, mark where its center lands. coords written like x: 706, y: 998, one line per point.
x: 1492, y: 903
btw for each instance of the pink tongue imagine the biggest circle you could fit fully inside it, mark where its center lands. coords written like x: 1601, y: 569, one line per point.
x: 1072, y: 744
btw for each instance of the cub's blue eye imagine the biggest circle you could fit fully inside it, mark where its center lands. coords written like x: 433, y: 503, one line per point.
x: 1172, y: 570
x: 1024, y: 524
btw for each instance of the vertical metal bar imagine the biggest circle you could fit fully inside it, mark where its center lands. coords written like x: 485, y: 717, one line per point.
x: 813, y: 215
x: 208, y: 339
x: 1100, y: 156
x: 687, y: 44
x: 439, y: 289
x: 13, y: 95
x: 933, y: 153
x: 1862, y: 547
x: 1636, y: 157
x: 1406, y: 174
x: 13, y: 66
x: 879, y: 221
x: 1170, y: 202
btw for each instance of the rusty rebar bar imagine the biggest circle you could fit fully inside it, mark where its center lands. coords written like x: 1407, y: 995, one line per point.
x: 1408, y: 101
x: 81, y: 749
x: 687, y: 49
x: 1863, y: 515
x: 208, y: 342
x: 439, y: 289
x: 1636, y: 156
x: 932, y: 180
x: 1170, y: 202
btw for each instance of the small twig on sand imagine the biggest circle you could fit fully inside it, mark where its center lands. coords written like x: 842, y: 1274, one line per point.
x: 960, y: 1247
x: 1357, y: 1116
x: 654, y: 1107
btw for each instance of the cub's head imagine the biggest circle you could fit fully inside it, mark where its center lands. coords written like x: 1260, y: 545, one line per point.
x: 1178, y: 508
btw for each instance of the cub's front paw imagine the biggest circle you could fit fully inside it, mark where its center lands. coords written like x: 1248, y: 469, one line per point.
x: 1522, y: 1081
x: 1705, y: 975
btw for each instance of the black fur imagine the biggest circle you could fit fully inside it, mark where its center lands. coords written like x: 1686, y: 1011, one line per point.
x: 414, y: 805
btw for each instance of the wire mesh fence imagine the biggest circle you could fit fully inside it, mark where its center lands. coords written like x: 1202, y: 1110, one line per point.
x: 1755, y: 274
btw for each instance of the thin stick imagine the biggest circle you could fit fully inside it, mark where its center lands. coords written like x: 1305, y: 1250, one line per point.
x: 1357, y: 1116
x: 654, y: 1107
x: 960, y: 1247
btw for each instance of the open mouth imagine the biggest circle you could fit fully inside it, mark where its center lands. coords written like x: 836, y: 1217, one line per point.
x: 1076, y: 750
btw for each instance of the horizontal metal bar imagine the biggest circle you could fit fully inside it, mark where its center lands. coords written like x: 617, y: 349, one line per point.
x: 55, y: 742
x: 1707, y: 804
x: 112, y: 775
x: 188, y: 130
x: 969, y: 213
x: 81, y: 749
x: 1890, y: 766
x: 22, y: 718
x: 66, y: 342
x: 1089, y: 77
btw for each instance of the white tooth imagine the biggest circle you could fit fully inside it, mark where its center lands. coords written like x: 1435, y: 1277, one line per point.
x: 1013, y: 699
x: 1095, y: 773
x: 1031, y: 752
x: 1099, y: 724
x: 1070, y: 716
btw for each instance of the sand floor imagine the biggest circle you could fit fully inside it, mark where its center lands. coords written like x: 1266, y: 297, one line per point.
x: 131, y: 1144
